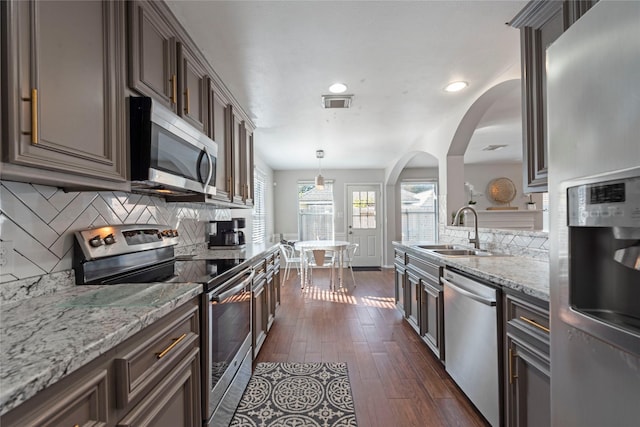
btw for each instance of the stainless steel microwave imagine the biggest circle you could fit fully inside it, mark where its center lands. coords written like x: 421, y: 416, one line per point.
x: 169, y: 157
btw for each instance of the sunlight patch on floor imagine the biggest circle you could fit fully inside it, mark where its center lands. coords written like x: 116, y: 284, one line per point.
x: 378, y: 302
x: 324, y: 294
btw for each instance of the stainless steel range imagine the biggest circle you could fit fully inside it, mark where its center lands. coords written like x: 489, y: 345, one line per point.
x: 145, y: 253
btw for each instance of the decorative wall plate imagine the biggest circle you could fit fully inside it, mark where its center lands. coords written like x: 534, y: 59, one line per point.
x: 501, y: 190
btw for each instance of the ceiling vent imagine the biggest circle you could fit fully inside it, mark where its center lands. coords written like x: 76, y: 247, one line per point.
x: 336, y: 101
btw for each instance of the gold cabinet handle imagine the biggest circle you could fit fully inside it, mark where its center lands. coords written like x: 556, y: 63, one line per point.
x: 534, y: 323
x: 512, y: 377
x: 186, y: 100
x: 34, y: 115
x: 229, y: 181
x: 174, y: 90
x: 173, y: 344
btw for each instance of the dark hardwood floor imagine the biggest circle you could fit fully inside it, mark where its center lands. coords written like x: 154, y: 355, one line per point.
x: 395, y: 379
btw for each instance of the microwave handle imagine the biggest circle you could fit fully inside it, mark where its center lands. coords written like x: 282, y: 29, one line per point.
x: 206, y: 183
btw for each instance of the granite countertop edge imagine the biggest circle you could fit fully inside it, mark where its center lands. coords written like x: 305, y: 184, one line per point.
x: 40, y: 347
x: 522, y: 274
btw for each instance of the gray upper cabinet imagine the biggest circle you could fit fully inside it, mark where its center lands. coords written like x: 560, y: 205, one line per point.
x: 540, y: 24
x: 65, y: 75
x: 218, y: 130
x: 152, y: 54
x: 247, y: 165
x: 237, y: 140
x: 194, y: 89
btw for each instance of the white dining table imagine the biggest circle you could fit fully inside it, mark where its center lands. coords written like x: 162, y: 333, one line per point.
x: 337, y: 246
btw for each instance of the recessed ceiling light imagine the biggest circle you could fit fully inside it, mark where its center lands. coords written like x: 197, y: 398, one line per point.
x: 456, y: 86
x: 338, y: 88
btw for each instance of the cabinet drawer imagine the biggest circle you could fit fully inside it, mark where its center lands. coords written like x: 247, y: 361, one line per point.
x: 428, y: 269
x: 526, y: 315
x: 400, y: 256
x: 148, y: 361
x: 260, y: 267
x: 175, y: 401
x: 84, y: 402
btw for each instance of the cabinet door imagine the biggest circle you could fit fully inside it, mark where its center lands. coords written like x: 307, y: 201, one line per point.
x: 413, y: 304
x: 528, y: 391
x: 431, y: 317
x: 65, y: 103
x: 400, y: 289
x: 237, y: 139
x: 276, y: 281
x: 271, y: 300
x: 536, y: 36
x: 247, y: 165
x: 218, y: 131
x: 152, y: 55
x: 174, y: 402
x: 83, y: 401
x: 540, y: 24
x: 259, y: 312
x: 194, y: 89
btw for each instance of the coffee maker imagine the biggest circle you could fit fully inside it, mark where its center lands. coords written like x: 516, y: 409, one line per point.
x: 226, y: 234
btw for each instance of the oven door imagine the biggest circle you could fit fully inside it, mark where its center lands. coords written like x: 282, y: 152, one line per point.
x: 226, y: 340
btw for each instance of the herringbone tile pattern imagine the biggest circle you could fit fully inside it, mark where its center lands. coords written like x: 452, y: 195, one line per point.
x: 39, y: 221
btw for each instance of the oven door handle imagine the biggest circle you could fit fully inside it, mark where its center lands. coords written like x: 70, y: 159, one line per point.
x: 221, y: 296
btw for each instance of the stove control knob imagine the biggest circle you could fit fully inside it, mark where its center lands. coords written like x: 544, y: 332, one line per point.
x: 109, y: 240
x: 95, y: 241
x: 175, y: 233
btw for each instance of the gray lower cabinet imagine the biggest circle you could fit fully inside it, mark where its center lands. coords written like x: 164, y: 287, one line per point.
x: 431, y: 317
x: 170, y: 404
x: 64, y: 99
x: 413, y: 300
x: 527, y: 367
x: 399, y: 288
x: 419, y: 297
x: 151, y: 379
x: 266, y: 298
x: 259, y: 307
x: 429, y: 300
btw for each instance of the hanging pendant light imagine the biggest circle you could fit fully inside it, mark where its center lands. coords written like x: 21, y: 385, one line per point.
x: 319, y: 178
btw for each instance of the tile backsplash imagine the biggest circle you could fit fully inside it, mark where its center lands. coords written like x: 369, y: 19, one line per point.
x: 532, y: 244
x: 37, y: 223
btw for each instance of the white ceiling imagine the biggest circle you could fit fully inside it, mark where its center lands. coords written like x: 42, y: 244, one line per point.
x: 279, y: 57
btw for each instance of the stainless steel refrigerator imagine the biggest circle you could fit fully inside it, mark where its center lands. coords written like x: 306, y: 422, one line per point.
x: 593, y: 128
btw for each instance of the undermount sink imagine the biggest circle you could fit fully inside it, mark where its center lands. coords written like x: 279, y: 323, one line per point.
x: 431, y: 247
x: 462, y: 252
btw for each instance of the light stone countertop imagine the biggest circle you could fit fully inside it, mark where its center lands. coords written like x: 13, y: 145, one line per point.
x: 527, y: 275
x: 45, y: 338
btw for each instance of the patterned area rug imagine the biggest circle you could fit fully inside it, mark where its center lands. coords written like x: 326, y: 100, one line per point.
x: 297, y: 394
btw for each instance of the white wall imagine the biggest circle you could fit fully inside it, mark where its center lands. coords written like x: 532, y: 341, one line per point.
x: 479, y: 175
x: 286, y: 196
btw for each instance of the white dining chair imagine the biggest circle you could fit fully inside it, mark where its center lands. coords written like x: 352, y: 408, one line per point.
x: 290, y: 258
x: 350, y: 253
x: 319, y: 258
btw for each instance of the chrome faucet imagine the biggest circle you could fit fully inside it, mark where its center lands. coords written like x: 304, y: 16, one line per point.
x: 476, y: 239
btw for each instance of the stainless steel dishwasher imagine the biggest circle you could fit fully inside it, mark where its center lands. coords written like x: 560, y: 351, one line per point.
x: 471, y: 341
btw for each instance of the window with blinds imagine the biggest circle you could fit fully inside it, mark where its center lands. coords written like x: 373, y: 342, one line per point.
x: 419, y: 210
x: 259, y: 212
x: 315, y: 211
